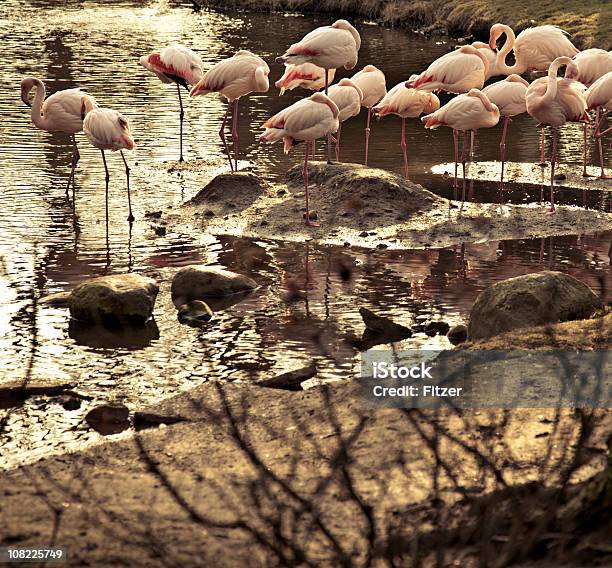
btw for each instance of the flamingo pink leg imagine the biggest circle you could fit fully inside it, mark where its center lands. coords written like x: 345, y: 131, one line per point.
x: 222, y: 136
x: 502, y: 151
x: 553, y: 162
x: 235, y: 132
x: 338, y: 134
x: 599, y: 120
x: 465, y: 135
x: 367, y: 135
x: 456, y: 142
x: 309, y: 223
x: 472, y: 141
x: 329, y: 133
x: 127, y: 175
x: 181, y: 116
x: 542, y: 160
x: 404, y: 148
x: 107, y: 179
x: 584, y: 151
x: 75, y: 160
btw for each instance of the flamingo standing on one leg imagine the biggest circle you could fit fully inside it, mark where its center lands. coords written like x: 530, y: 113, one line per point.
x: 373, y: 85
x: 348, y: 97
x: 305, y: 75
x: 235, y: 77
x: 306, y: 120
x: 467, y: 112
x: 592, y: 64
x: 406, y: 103
x: 61, y: 112
x: 509, y: 97
x: 599, y: 97
x: 553, y: 101
x: 329, y: 47
x: 176, y: 64
x: 108, y: 129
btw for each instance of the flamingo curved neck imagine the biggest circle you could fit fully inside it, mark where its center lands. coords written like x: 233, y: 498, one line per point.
x: 551, y: 84
x: 519, y: 66
x: 36, y: 113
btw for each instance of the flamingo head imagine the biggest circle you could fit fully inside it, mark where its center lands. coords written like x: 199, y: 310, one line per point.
x: 497, y: 30
x: 349, y: 83
x: 572, y: 71
x: 433, y: 103
x: 87, y: 105
x: 26, y: 86
x: 344, y: 25
x: 322, y: 98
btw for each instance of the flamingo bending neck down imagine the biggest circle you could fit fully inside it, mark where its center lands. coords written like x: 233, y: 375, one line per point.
x: 61, y: 112
x: 107, y: 129
x: 305, y: 75
x: 553, y: 101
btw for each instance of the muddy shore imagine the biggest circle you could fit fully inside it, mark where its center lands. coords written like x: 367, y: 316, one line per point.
x: 588, y: 23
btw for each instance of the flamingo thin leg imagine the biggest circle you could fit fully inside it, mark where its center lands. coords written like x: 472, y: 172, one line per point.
x: 235, y: 132
x: 127, y: 177
x: 181, y: 116
x: 367, y: 135
x: 404, y: 148
x: 222, y: 136
x: 338, y: 134
x: 553, y: 162
x: 329, y: 133
x: 472, y: 141
x: 309, y: 223
x: 75, y: 160
x: 584, y: 151
x: 502, y: 151
x: 542, y: 160
x: 465, y: 135
x: 598, y: 122
x: 456, y: 142
x: 107, y: 178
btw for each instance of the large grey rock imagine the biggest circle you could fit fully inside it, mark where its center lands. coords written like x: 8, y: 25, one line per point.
x: 114, y: 300
x: 531, y: 300
x: 198, y: 282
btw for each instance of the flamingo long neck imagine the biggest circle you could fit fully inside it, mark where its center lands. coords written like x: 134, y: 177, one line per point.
x: 551, y: 85
x: 485, y: 100
x: 519, y: 66
x: 37, y: 116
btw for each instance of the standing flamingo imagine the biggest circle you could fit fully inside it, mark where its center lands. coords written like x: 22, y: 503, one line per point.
x: 598, y: 97
x: 373, y: 85
x: 455, y: 72
x: 61, y: 112
x: 108, y: 129
x: 329, y: 47
x: 347, y: 96
x: 175, y: 64
x: 592, y: 64
x: 306, y: 120
x: 406, y: 103
x: 553, y: 101
x: 305, y: 75
x: 235, y: 77
x: 467, y: 112
x: 509, y: 97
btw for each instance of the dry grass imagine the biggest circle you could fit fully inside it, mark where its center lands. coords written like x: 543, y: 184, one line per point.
x: 589, y: 22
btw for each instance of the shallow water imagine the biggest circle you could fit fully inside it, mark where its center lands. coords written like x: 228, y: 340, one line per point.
x: 308, y: 304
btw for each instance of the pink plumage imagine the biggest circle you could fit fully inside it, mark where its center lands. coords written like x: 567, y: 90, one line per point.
x: 305, y: 75
x: 592, y: 64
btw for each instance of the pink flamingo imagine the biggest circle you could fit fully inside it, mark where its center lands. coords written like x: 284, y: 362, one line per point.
x: 455, y: 72
x: 509, y: 97
x: 329, y: 47
x: 306, y: 120
x: 599, y: 96
x: 305, y: 75
x: 107, y: 129
x: 347, y: 96
x: 235, y: 77
x: 373, y: 85
x: 467, y: 112
x: 553, y: 101
x: 491, y: 56
x: 406, y: 103
x: 592, y: 64
x: 175, y: 64
x: 61, y: 112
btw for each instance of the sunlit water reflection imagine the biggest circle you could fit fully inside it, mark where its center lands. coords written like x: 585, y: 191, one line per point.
x: 47, y: 247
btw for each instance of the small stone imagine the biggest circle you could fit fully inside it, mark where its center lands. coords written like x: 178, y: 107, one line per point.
x: 363, y: 234
x: 264, y: 223
x: 160, y: 231
x: 560, y: 177
x: 433, y: 328
x: 382, y: 246
x: 199, y: 282
x: 108, y: 418
x: 209, y: 213
x: 71, y: 403
x: 153, y: 214
x: 383, y: 325
x: 457, y: 334
x: 313, y: 215
x: 195, y: 311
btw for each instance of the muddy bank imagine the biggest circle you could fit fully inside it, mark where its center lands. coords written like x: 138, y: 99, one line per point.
x: 589, y: 23
x: 366, y: 207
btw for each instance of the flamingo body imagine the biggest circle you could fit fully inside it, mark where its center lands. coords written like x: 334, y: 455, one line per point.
x: 469, y: 111
x: 599, y: 94
x: 305, y: 75
x: 175, y: 64
x: 592, y: 64
x: 372, y: 83
x: 347, y: 96
x: 508, y: 95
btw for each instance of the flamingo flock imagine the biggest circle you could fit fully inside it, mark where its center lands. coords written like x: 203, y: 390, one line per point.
x: 312, y: 62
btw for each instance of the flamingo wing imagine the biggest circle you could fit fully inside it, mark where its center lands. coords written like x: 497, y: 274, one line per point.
x: 541, y: 45
x: 600, y: 92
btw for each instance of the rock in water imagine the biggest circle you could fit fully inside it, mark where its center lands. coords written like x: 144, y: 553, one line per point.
x: 114, y: 300
x: 198, y: 282
x: 382, y: 325
x: 457, y: 334
x: 195, y: 312
x: 531, y: 300
x: 108, y: 418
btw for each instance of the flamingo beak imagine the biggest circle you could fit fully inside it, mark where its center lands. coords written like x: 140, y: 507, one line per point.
x: 24, y: 97
x: 493, y: 43
x: 195, y: 91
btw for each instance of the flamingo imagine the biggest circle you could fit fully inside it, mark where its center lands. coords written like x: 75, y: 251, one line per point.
x: 455, y: 72
x: 373, y: 85
x: 491, y: 56
x: 329, y: 47
x: 553, y: 101
x: 534, y: 48
x: 305, y: 75
x: 509, y: 97
x: 599, y: 96
x: 592, y: 64
x: 406, y: 103
x: 108, y: 129
x: 175, y: 64
x: 348, y: 97
x: 234, y: 77
x: 306, y: 120
x: 467, y: 112
x: 61, y: 112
